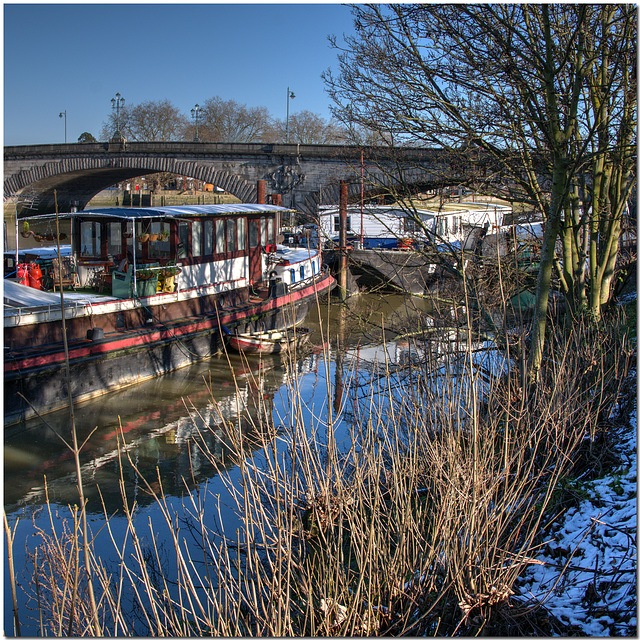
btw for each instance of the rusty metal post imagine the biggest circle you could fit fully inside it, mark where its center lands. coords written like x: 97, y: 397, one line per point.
x: 261, y: 192
x: 342, y: 274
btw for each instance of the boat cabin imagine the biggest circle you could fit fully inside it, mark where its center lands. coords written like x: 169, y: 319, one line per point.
x: 392, y: 227
x: 116, y: 250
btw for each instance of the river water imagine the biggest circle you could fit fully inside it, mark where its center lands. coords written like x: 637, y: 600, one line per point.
x: 159, y: 420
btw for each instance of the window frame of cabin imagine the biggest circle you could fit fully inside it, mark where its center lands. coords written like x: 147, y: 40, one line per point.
x: 222, y: 237
x: 409, y: 224
x: 94, y: 250
x: 336, y: 223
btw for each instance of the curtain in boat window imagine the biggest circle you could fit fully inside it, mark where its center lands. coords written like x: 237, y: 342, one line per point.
x: 183, y: 240
x: 231, y: 235
x: 114, y: 239
x: 271, y: 236
x: 242, y: 234
x: 254, y: 233
x: 208, y: 237
x: 263, y: 232
x: 196, y: 238
x: 219, y: 236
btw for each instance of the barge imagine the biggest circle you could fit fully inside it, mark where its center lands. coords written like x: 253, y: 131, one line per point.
x: 154, y: 288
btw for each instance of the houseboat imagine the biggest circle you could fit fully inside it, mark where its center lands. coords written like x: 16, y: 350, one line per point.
x: 394, y: 227
x: 150, y: 292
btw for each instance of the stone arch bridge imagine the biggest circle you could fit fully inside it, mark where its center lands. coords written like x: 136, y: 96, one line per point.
x: 304, y: 175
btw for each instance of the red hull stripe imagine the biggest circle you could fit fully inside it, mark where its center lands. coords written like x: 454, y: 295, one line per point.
x: 149, y: 339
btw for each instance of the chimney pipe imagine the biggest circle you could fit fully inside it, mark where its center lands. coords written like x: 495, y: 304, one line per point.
x: 261, y: 192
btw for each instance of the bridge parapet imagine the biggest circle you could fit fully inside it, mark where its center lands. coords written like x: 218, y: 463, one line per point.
x: 304, y: 175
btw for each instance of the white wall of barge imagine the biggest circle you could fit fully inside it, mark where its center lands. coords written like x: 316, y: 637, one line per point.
x: 78, y: 305
x: 194, y: 282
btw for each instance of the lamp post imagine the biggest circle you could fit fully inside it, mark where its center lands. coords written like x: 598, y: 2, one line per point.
x: 63, y: 114
x: 290, y: 94
x: 194, y: 115
x: 117, y: 103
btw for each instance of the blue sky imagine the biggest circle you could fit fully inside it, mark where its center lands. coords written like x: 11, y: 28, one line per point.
x: 76, y: 57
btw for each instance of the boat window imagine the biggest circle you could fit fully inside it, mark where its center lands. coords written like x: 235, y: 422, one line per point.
x: 271, y: 234
x: 231, y: 235
x: 114, y: 239
x: 409, y: 224
x: 292, y: 272
x: 313, y: 266
x: 183, y: 239
x: 219, y: 236
x: 242, y: 234
x: 263, y: 232
x: 442, y: 227
x: 254, y: 230
x: 90, y: 238
x: 196, y: 238
x: 301, y: 272
x: 454, y: 224
x: 208, y: 237
x: 161, y: 246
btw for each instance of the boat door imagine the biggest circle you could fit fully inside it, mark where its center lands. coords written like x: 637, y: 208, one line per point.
x: 255, y: 251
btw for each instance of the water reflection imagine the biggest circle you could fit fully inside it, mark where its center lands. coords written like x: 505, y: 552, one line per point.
x: 160, y: 427
x: 164, y: 424
x: 167, y: 422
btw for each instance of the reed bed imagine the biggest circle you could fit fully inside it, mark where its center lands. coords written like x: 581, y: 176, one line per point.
x: 418, y: 523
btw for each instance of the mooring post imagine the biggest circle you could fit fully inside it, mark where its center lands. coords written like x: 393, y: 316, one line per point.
x: 342, y: 281
x: 261, y: 192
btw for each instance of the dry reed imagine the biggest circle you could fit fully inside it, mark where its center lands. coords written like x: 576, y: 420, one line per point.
x: 421, y: 525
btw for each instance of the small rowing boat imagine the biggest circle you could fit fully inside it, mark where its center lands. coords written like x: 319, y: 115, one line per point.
x: 269, y: 341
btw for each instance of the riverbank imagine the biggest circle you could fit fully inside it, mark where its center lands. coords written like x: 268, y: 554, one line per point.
x: 585, y: 575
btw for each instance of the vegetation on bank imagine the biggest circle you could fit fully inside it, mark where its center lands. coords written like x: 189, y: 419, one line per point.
x: 421, y: 526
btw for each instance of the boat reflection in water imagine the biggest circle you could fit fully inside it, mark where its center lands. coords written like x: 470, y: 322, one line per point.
x: 167, y: 424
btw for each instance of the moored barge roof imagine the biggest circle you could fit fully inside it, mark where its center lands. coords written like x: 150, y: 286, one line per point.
x: 182, y: 211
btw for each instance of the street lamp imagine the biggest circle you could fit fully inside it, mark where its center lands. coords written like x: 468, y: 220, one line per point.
x: 194, y: 115
x: 63, y: 114
x: 290, y: 94
x: 117, y: 103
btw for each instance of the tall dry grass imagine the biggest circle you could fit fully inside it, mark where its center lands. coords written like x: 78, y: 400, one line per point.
x: 419, y: 525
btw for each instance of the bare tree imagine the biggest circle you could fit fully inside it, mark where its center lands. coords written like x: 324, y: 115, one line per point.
x: 306, y: 127
x: 228, y: 121
x: 545, y: 93
x: 150, y: 121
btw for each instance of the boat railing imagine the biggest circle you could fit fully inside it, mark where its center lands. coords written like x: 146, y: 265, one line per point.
x: 17, y: 312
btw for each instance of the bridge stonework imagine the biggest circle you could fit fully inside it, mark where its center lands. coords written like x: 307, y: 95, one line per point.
x: 304, y: 175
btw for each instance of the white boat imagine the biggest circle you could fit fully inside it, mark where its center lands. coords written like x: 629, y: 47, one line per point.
x: 270, y: 341
x: 393, y: 227
x: 129, y: 319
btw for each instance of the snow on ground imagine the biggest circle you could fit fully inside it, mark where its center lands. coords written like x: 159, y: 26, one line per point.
x: 596, y: 592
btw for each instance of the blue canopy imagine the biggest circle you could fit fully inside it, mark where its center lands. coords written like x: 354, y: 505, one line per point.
x: 183, y: 211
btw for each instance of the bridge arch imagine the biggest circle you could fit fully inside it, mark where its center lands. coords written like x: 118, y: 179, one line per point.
x: 80, y: 179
